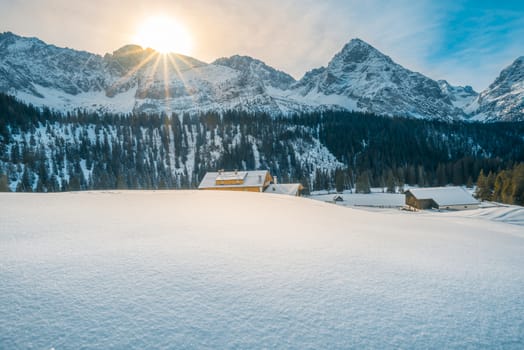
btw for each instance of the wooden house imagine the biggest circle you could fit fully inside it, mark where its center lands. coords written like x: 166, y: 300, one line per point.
x: 250, y: 181
x: 444, y: 198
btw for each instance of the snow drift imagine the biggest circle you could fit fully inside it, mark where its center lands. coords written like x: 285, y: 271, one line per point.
x: 186, y: 269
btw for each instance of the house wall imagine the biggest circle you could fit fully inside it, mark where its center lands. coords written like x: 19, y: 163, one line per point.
x: 230, y: 182
x: 419, y: 203
x: 238, y: 189
x: 425, y: 204
x: 268, y: 179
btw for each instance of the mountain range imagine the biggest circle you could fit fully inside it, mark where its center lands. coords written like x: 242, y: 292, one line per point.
x: 133, y: 79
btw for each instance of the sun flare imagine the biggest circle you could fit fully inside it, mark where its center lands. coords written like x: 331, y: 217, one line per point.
x: 164, y: 34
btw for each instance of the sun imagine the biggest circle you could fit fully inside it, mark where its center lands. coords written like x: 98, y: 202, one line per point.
x: 164, y: 34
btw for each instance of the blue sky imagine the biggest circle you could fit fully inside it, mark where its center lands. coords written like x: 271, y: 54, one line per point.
x: 487, y: 35
x: 464, y: 41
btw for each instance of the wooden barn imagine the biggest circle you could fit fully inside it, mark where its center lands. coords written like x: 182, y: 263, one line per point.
x: 444, y: 198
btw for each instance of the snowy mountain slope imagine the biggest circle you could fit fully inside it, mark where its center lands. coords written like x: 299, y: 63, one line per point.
x: 504, y: 99
x: 377, y: 84
x: 134, y: 79
x: 186, y: 269
x: 26, y: 62
x: 460, y: 96
x: 257, y: 71
x: 131, y: 79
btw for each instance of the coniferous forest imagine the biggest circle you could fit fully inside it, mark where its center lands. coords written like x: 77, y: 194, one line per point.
x: 505, y: 186
x: 42, y: 150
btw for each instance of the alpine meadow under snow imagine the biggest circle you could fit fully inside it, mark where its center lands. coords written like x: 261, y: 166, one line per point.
x: 186, y: 269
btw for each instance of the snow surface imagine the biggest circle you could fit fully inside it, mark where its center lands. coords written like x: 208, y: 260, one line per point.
x: 511, y: 214
x: 216, y: 270
x: 374, y: 199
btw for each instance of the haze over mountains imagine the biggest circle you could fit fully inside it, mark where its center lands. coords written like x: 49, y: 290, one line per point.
x: 133, y: 79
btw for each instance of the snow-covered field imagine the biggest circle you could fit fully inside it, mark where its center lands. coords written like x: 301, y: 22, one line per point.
x: 217, y: 270
x: 376, y: 199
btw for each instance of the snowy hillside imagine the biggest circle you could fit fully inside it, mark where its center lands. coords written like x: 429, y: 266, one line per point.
x: 189, y: 269
x: 504, y: 99
x: 133, y: 79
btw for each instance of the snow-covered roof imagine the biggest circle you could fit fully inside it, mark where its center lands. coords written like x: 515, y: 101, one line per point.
x: 289, y: 189
x: 231, y: 175
x: 254, y: 178
x: 444, y: 195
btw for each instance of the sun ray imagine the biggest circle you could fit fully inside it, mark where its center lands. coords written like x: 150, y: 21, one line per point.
x: 150, y: 77
x: 129, y: 74
x: 181, y: 76
x: 167, y: 95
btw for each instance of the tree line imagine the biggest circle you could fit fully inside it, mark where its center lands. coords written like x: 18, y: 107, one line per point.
x: 43, y: 150
x: 504, y: 186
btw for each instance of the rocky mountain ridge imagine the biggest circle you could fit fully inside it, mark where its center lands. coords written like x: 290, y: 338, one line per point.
x: 133, y: 79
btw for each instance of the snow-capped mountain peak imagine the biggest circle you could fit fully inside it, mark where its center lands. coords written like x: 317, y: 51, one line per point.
x: 358, y: 77
x: 375, y: 83
x: 359, y: 51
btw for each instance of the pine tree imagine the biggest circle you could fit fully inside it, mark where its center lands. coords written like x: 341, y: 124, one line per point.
x: 362, y: 184
x: 74, y: 183
x: 469, y: 183
x: 26, y: 184
x: 483, y: 192
x: 518, y: 184
x: 491, y: 181
x: 497, y: 187
x: 390, y: 182
x: 339, y: 180
x: 4, y: 186
x: 441, y: 175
